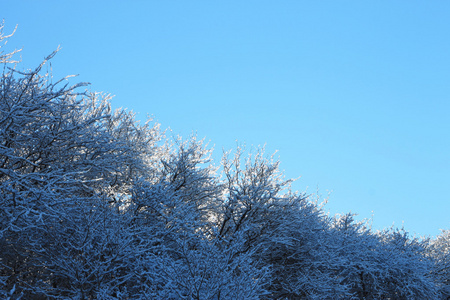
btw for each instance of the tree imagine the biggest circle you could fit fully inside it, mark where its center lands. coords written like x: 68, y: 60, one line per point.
x: 61, y: 153
x: 283, y: 230
x: 439, y: 251
x: 384, y: 265
x: 94, y: 205
x: 177, y: 213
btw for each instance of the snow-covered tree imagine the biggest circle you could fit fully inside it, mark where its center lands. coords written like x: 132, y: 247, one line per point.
x: 175, y: 225
x: 94, y: 205
x: 283, y: 230
x: 61, y: 152
x: 440, y: 252
x: 384, y: 265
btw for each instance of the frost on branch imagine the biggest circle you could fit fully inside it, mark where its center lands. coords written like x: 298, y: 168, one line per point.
x: 6, y: 57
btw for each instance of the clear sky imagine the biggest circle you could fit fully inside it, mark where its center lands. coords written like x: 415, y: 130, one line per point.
x: 354, y: 95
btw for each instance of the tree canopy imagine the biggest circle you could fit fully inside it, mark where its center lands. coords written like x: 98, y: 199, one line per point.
x: 95, y: 205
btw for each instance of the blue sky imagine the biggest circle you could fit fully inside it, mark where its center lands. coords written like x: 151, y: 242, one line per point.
x: 354, y: 95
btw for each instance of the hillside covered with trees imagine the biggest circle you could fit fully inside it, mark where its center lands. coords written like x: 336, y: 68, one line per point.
x: 95, y: 205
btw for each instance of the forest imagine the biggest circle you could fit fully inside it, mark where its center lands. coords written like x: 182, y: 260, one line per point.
x: 96, y: 205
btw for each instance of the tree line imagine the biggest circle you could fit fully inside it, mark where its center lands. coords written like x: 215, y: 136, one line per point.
x: 95, y: 205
